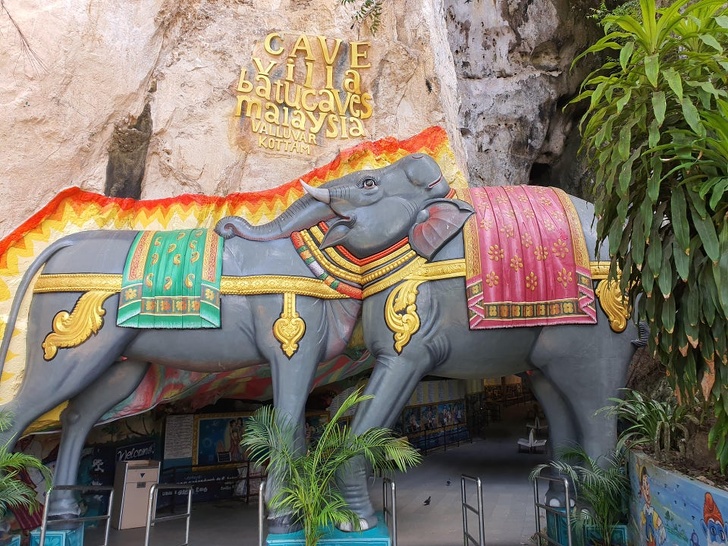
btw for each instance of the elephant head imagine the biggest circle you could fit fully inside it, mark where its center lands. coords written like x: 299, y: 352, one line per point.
x: 377, y: 208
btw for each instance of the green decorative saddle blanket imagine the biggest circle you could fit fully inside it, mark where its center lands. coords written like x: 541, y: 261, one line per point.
x: 172, y: 280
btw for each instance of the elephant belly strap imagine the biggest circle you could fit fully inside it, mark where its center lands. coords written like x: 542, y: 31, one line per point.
x: 527, y: 262
x: 172, y: 280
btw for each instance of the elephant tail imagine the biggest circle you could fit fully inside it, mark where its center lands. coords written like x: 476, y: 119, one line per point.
x: 25, y: 282
x: 644, y: 332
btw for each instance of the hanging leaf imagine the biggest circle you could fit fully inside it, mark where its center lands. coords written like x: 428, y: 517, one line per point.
x: 638, y: 241
x: 692, y: 116
x: 664, y: 278
x: 718, y: 190
x: 720, y: 270
x: 674, y: 81
x: 625, y: 140
x: 652, y: 68
x: 679, y: 217
x: 682, y: 261
x: 709, y: 40
x: 659, y: 105
x: 710, y: 295
x: 654, y: 253
x: 625, y: 54
x: 706, y: 230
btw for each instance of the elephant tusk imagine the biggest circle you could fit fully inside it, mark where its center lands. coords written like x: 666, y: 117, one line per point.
x: 320, y: 194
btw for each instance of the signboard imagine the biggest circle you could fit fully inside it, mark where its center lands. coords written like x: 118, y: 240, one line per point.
x: 301, y: 89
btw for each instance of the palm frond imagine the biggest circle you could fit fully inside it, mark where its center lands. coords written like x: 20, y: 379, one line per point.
x: 309, y: 489
x: 14, y: 492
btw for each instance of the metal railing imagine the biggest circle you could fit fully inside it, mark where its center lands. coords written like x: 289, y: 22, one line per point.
x: 553, y: 514
x: 152, y: 510
x: 261, y: 513
x: 83, y: 520
x: 390, y: 509
x: 468, y: 508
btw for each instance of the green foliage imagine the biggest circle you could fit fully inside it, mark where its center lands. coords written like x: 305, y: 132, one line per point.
x: 15, y: 493
x: 601, y: 486
x: 309, y: 490
x: 630, y: 7
x: 369, y: 10
x: 656, y: 424
x: 656, y: 138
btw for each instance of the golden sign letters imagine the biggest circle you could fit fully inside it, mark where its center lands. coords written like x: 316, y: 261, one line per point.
x: 304, y: 88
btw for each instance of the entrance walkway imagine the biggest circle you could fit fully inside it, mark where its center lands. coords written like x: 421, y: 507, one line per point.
x: 507, y: 497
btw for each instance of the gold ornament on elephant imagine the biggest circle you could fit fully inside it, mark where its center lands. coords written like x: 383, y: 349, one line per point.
x: 400, y: 311
x: 290, y: 327
x: 72, y: 329
x: 611, y: 298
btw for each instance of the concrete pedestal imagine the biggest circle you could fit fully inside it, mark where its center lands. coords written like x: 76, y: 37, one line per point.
x: 65, y: 537
x: 378, y: 536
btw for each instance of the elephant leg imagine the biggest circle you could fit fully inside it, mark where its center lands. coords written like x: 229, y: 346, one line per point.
x: 291, y: 384
x: 392, y: 382
x: 588, y: 368
x: 562, y: 426
x: 82, y: 413
x: 292, y: 380
x: 47, y: 384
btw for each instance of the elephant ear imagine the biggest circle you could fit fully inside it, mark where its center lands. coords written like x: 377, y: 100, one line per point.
x: 438, y: 222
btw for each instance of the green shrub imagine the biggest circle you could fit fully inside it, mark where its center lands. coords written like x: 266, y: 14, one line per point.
x: 659, y: 425
x: 655, y: 134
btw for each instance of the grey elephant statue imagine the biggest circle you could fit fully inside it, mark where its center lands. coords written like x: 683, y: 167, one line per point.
x: 388, y: 245
x: 406, y: 240
x: 101, y: 314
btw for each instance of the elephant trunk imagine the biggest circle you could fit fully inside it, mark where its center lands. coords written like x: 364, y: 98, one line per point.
x: 302, y: 214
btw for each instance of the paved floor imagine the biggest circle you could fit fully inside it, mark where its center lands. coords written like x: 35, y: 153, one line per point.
x: 507, y: 496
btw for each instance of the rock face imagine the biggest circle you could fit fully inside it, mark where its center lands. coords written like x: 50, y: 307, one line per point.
x: 513, y: 62
x: 157, y: 98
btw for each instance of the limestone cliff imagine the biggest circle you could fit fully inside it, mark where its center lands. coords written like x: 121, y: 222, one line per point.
x: 155, y: 98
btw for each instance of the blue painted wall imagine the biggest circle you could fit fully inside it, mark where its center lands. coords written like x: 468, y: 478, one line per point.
x: 671, y: 509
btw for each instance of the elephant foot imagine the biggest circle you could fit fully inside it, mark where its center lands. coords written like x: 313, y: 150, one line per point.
x: 280, y: 525
x: 58, y: 520
x: 556, y: 497
x: 364, y: 524
x: 63, y: 508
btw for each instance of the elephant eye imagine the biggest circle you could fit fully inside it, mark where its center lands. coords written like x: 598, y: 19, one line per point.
x: 368, y: 183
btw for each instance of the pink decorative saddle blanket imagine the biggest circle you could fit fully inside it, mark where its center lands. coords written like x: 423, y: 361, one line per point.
x: 527, y: 262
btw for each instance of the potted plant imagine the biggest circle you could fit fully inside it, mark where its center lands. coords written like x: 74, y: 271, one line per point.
x: 15, y: 493
x: 309, y: 490
x: 601, y: 488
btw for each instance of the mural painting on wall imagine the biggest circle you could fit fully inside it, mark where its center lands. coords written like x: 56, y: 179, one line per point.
x: 74, y: 210
x: 672, y: 509
x: 217, y: 436
x: 217, y: 439
x: 430, y: 426
x: 299, y: 89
